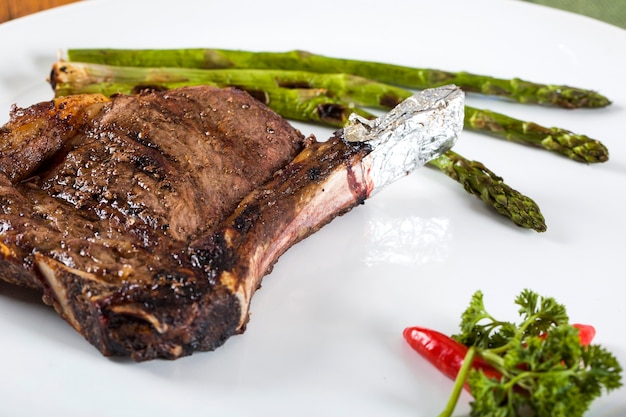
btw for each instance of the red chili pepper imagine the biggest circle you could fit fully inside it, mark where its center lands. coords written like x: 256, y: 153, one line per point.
x: 586, y: 332
x: 445, y: 353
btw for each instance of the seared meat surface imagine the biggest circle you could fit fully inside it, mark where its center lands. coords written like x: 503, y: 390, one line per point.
x: 149, y: 221
x: 101, y: 199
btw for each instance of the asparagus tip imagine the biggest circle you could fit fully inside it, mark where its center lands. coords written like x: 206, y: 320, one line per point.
x: 491, y: 189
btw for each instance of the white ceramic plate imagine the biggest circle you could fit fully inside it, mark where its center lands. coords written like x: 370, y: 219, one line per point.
x: 325, y: 334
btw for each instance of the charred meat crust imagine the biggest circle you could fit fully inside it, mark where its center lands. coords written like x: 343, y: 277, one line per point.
x: 150, y: 223
x: 34, y: 134
x: 178, y: 313
x: 100, y: 200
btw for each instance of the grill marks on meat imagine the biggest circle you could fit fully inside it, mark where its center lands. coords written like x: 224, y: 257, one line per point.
x: 169, y: 162
x: 148, y: 221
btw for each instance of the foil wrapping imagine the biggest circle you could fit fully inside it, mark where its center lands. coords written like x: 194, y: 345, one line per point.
x: 417, y: 130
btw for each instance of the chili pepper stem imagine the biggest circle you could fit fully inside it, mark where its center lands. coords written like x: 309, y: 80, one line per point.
x: 459, y: 382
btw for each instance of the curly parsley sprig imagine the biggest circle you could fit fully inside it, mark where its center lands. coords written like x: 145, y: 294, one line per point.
x: 545, y: 371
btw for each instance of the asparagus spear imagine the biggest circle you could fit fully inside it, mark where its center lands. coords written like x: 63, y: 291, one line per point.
x: 419, y: 78
x: 74, y: 77
x: 575, y: 146
x: 312, y: 106
x: 351, y: 88
x: 489, y: 187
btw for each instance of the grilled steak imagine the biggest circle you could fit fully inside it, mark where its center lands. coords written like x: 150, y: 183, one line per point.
x: 148, y: 221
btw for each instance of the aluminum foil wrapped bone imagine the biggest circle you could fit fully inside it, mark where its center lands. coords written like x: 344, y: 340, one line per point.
x: 419, y: 129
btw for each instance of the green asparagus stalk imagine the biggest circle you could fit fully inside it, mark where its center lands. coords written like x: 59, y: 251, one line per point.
x: 575, y: 146
x: 490, y: 188
x: 418, y: 78
x: 74, y: 77
x: 351, y: 88
x: 312, y: 106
